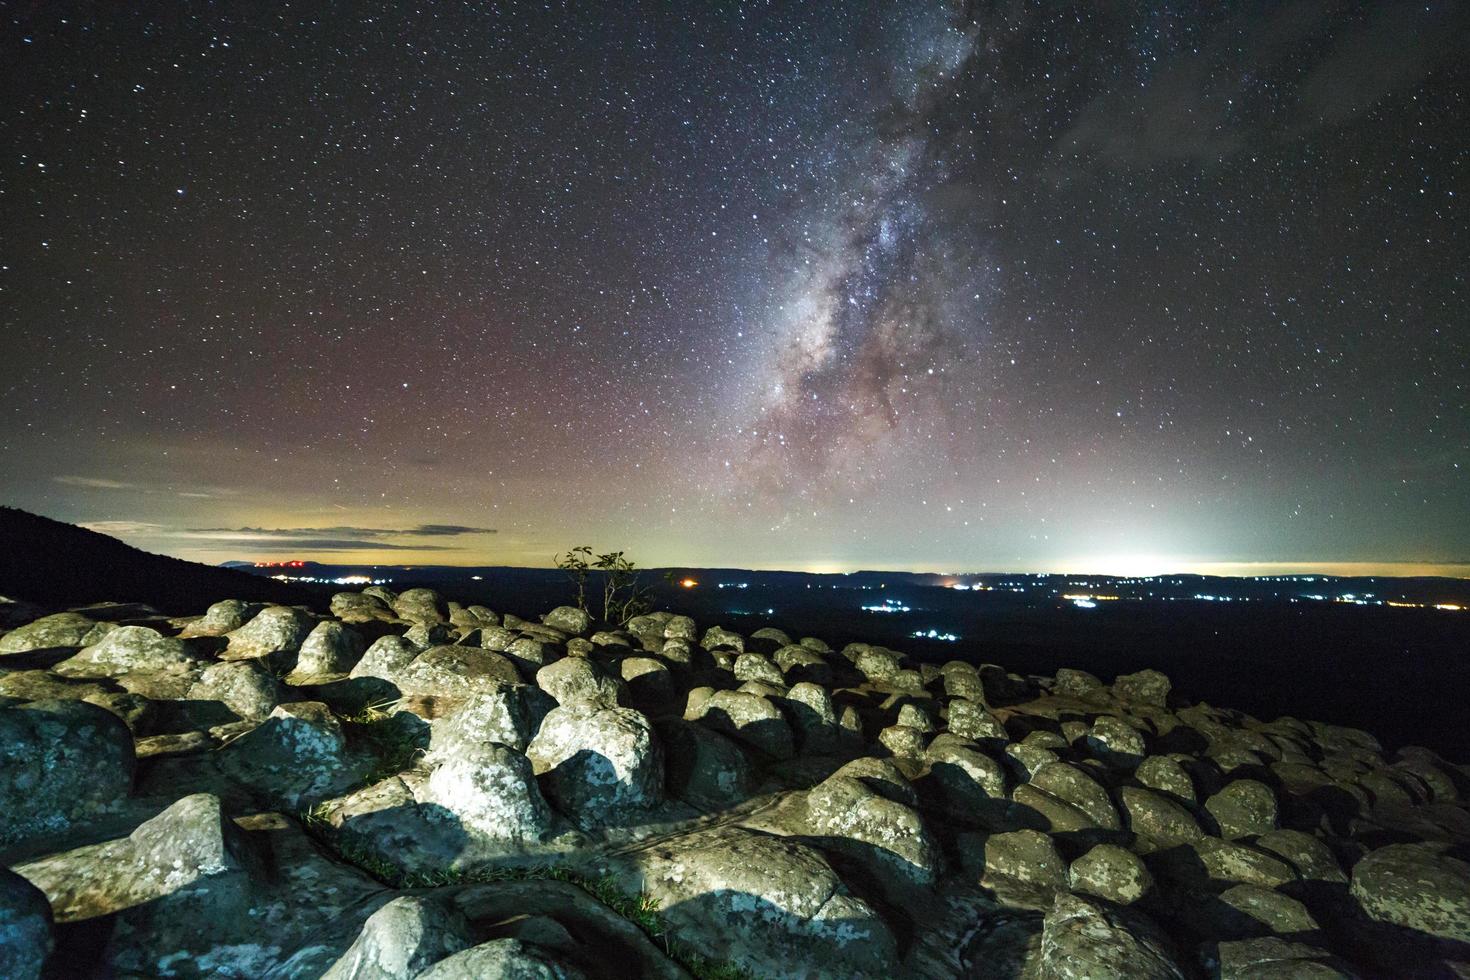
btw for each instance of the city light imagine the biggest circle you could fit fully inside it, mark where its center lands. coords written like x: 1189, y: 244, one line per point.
x: 888, y: 606
x: 688, y: 583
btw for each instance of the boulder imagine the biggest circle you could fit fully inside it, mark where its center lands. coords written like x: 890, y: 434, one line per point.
x: 510, y: 959
x: 601, y: 765
x: 420, y: 606
x: 813, y: 718
x: 704, y: 768
x: 66, y: 629
x: 903, y: 741
x: 1252, y: 911
x: 575, y: 680
x: 1110, y: 872
x: 719, y: 638
x: 1147, y: 687
x: 1069, y: 783
x: 296, y: 756
x: 385, y: 657
x: 885, y: 836
x: 1022, y: 855
x: 274, y: 631
x: 757, y: 667
x: 127, y: 649
x: 61, y: 762
x: 179, y: 884
x: 1414, y: 894
x: 1086, y: 938
x: 1077, y: 684
x: 243, y: 686
x: 680, y: 628
x: 568, y: 619
x: 967, y: 783
x: 223, y: 617
x: 761, y: 903
x: 1273, y: 958
x: 970, y: 719
x: 650, y: 685
x: 455, y: 672
x: 748, y: 718
x: 360, y: 607
x: 1243, y: 808
x: 1116, y: 742
x: 329, y: 651
x: 25, y: 928
x: 1165, y: 775
x: 1159, y: 821
x: 510, y: 714
x: 491, y: 791
x: 402, y: 939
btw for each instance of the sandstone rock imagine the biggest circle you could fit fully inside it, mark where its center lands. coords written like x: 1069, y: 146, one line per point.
x: 385, y: 658
x: 569, y: 619
x: 1027, y: 759
x: 764, y: 904
x: 275, y: 630
x: 127, y: 649
x: 422, y: 606
x: 360, y: 607
x: 1116, y: 742
x: 813, y: 718
x: 223, y: 617
x: 1273, y: 958
x: 969, y: 719
x: 491, y: 790
x: 1311, y: 859
x: 650, y: 685
x: 329, y: 650
x: 1077, y: 788
x: 66, y: 629
x: 680, y: 628
x: 903, y: 741
x: 402, y: 939
x: 1243, y: 808
x: 577, y: 680
x: 878, y: 665
x: 755, y: 667
x: 1077, y: 684
x: 1412, y: 893
x: 455, y: 672
x: 1024, y: 855
x: 60, y: 762
x: 1145, y: 687
x: 178, y: 884
x: 750, y: 719
x: 704, y: 768
x: 422, y: 636
x: 1108, y: 871
x: 25, y: 928
x: 717, y: 638
x: 510, y: 714
x: 1252, y: 911
x: 243, y: 686
x: 602, y: 765
x: 887, y: 837
x: 1158, y: 820
x: 297, y: 755
x: 1084, y: 938
x: 511, y: 959
x: 1164, y: 775
x: 969, y: 784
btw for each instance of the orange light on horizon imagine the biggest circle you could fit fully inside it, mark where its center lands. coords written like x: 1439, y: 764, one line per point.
x: 688, y: 583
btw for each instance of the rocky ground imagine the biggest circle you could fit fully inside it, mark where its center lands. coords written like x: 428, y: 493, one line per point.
x: 409, y: 788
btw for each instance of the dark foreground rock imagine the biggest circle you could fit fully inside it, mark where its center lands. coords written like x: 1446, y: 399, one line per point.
x: 401, y: 786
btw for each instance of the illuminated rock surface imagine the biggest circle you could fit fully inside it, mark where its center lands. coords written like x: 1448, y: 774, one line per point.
x: 401, y: 786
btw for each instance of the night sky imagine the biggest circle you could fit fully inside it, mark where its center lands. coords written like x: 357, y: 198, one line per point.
x: 1015, y: 285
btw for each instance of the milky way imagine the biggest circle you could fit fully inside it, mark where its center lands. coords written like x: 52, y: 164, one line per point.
x: 945, y: 285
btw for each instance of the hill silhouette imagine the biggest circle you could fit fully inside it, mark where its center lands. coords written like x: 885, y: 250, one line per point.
x: 57, y: 564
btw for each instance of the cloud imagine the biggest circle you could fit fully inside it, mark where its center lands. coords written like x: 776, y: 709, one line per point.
x: 295, y: 544
x: 362, y: 535
x: 95, y: 483
x: 106, y: 483
x: 122, y: 527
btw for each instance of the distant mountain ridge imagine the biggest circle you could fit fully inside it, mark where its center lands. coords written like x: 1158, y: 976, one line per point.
x: 58, y: 564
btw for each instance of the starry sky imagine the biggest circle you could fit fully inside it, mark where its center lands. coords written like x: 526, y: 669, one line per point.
x: 932, y: 285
